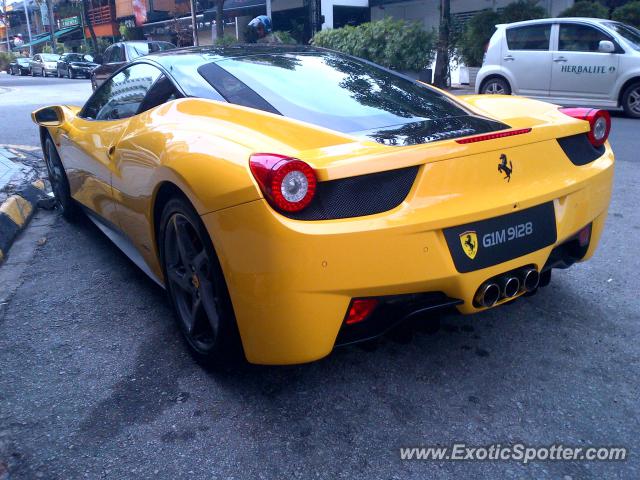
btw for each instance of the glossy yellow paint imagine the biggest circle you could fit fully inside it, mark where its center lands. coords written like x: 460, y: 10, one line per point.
x: 291, y: 281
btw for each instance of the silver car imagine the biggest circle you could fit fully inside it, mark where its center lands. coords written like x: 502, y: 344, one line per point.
x: 44, y: 64
x: 568, y: 61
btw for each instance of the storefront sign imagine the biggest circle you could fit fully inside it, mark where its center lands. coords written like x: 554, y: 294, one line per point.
x: 69, y: 22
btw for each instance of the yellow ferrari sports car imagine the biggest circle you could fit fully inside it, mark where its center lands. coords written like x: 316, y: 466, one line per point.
x: 291, y: 199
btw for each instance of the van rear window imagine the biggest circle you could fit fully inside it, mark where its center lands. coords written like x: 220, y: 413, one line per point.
x: 531, y: 37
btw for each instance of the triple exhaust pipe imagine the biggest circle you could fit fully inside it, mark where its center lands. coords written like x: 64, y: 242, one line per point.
x: 507, y: 286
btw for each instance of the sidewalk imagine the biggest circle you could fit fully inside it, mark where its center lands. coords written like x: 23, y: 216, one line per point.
x: 19, y: 165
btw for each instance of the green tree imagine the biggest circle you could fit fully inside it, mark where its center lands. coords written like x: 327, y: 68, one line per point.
x: 391, y: 43
x: 586, y: 8
x: 475, y: 37
x: 522, y: 10
x: 629, y: 14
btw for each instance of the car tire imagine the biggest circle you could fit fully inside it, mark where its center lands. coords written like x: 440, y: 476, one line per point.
x: 59, y: 181
x: 196, y: 286
x: 631, y: 100
x: 495, y: 86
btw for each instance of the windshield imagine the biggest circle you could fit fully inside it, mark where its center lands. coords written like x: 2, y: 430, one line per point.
x: 24, y: 61
x: 630, y: 34
x: 327, y: 89
x: 75, y: 57
x: 140, y: 49
x: 50, y: 57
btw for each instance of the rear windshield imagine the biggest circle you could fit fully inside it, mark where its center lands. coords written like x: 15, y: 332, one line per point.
x: 50, y: 57
x: 139, y: 49
x: 327, y: 89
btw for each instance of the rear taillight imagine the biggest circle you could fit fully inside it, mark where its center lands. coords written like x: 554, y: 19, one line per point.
x: 599, y: 121
x: 287, y: 183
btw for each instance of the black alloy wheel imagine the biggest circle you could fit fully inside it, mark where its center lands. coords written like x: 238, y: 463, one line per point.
x: 59, y: 181
x: 196, y: 285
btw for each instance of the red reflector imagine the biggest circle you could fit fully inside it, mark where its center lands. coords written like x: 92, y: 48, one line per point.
x: 360, y: 309
x: 493, y: 136
x: 584, y: 236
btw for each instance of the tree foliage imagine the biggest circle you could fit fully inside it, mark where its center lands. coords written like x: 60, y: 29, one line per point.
x: 5, y: 59
x: 522, y: 10
x: 471, y: 41
x: 629, y: 14
x: 475, y: 37
x: 391, y: 43
x: 586, y: 8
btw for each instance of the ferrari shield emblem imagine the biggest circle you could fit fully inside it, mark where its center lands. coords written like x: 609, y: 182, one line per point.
x: 469, y: 242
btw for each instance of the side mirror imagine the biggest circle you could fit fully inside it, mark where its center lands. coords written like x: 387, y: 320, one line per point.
x: 88, y: 58
x: 48, y: 117
x: 606, y: 46
x: 98, y: 59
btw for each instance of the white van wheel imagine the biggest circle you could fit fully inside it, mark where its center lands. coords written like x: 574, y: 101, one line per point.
x: 496, y: 86
x: 631, y: 100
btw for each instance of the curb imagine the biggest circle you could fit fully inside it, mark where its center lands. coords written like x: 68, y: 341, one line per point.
x: 15, y: 213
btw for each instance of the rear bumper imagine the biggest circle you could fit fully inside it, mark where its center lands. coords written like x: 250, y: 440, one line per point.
x: 291, y: 282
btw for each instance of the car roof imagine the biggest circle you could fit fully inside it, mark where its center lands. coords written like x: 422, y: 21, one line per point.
x: 208, y: 54
x: 556, y: 20
x: 130, y: 42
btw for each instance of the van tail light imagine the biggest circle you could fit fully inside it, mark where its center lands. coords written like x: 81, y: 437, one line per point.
x: 287, y: 183
x: 599, y: 121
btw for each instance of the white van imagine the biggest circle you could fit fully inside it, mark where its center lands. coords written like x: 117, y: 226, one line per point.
x: 568, y: 61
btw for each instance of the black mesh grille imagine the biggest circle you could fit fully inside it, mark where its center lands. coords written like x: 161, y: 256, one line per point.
x: 359, y: 196
x: 579, y: 149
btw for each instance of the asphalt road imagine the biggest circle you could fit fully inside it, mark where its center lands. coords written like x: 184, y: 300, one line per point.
x: 25, y: 94
x: 95, y: 381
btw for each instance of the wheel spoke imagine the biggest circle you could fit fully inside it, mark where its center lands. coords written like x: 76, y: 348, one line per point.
x: 185, y: 246
x: 210, y: 303
x: 179, y: 279
x: 201, y: 264
x: 196, y: 305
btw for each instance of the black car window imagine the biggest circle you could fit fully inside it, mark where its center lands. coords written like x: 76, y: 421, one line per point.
x: 139, y: 49
x: 328, y: 89
x: 121, y: 95
x: 580, y: 38
x: 107, y: 55
x: 232, y: 89
x: 117, y: 54
x: 532, y: 37
x: 73, y: 57
x: 161, y: 92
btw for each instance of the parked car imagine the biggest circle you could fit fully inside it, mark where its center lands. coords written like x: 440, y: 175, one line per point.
x: 72, y: 65
x: 293, y: 225
x: 121, y: 53
x: 44, y: 64
x: 20, y: 66
x: 568, y: 61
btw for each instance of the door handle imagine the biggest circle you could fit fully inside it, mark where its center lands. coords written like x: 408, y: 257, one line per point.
x: 559, y: 59
x: 508, y: 58
x: 111, y: 150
